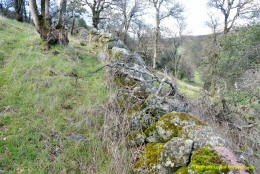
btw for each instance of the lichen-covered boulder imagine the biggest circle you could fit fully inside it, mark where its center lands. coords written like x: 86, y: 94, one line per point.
x: 169, y: 125
x: 141, y: 121
x: 202, y: 135
x: 168, y: 104
x: 176, y: 152
x: 165, y: 158
x: 150, y: 159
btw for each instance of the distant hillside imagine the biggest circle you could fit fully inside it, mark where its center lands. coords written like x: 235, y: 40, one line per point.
x: 194, y: 47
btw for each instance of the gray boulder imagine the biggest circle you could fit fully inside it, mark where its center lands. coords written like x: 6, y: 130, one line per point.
x: 202, y: 135
x: 176, y: 152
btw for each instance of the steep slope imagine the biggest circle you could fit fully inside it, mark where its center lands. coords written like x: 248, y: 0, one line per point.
x: 49, y: 118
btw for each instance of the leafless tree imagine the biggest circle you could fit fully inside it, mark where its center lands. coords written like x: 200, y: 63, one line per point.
x: 18, y: 9
x: 232, y: 10
x: 62, y: 12
x: 97, y: 7
x: 144, y: 39
x: 75, y: 8
x: 128, y: 9
x: 213, y: 52
x: 177, y: 42
x: 40, y: 19
x: 163, y: 9
x: 5, y: 5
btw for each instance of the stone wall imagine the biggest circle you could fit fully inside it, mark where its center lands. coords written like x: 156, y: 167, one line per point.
x: 175, y: 142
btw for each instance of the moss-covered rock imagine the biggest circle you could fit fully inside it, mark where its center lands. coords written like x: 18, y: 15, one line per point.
x: 170, y: 125
x: 135, y: 138
x: 165, y: 158
x: 182, y: 170
x: 124, y: 81
x: 176, y: 152
x: 207, y: 161
x: 136, y: 107
x: 141, y: 121
x: 150, y: 159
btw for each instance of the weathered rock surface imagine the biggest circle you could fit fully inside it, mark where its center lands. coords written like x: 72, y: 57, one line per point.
x: 169, y: 125
x: 176, y: 152
x: 202, y: 135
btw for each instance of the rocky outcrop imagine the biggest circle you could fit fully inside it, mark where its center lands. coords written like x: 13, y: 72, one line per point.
x: 158, y: 115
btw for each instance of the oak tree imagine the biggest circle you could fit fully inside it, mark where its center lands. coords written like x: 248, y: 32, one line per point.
x: 163, y: 10
x: 40, y: 15
x: 97, y: 7
x: 232, y: 10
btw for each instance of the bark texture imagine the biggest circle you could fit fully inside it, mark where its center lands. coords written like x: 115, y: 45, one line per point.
x: 41, y: 21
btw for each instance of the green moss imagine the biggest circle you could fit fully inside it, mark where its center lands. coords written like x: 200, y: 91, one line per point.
x: 182, y: 170
x: 150, y: 155
x: 250, y: 168
x: 185, y: 116
x: 167, y: 124
x: 117, y: 54
x: 150, y: 129
x: 206, y: 160
x: 156, y: 112
x: 122, y: 80
x: 138, y: 106
x: 134, y: 134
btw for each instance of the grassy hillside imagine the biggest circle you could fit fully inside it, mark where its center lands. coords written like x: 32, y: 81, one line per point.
x: 49, y: 121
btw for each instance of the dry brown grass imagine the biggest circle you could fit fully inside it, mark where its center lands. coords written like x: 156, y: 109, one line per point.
x: 114, y: 130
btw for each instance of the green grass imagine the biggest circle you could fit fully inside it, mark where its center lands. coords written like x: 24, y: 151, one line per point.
x: 190, y: 90
x: 43, y: 111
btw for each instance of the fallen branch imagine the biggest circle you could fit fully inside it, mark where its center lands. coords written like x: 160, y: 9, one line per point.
x: 244, y: 126
x: 123, y: 65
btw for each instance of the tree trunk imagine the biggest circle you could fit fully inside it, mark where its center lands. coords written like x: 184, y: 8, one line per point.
x: 213, y: 75
x: 46, y: 12
x: 52, y: 37
x: 226, y: 24
x: 176, y: 65
x: 63, y: 7
x: 95, y: 19
x: 127, y: 25
x: 24, y: 13
x: 19, y: 16
x: 156, y: 39
x: 40, y: 19
x: 35, y: 14
x: 18, y: 4
x: 73, y: 24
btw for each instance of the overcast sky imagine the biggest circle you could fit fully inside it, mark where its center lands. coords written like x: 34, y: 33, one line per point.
x: 195, y: 13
